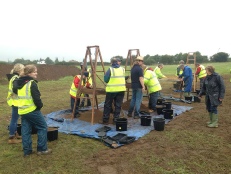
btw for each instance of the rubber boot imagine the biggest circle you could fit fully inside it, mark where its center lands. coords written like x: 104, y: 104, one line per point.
x: 214, y: 123
x: 210, y: 118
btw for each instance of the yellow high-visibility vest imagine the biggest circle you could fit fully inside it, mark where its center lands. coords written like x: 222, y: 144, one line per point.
x: 151, y: 81
x: 25, y: 100
x: 202, y: 72
x: 12, y: 98
x: 117, y: 80
x: 73, y: 90
x: 158, y: 73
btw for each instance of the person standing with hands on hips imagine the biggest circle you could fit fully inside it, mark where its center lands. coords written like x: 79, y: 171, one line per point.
x: 29, y: 106
x: 214, y: 89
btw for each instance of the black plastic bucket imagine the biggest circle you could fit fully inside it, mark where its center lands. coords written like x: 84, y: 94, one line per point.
x: 159, y: 109
x: 52, y: 133
x: 198, y: 91
x: 196, y: 99
x: 160, y: 101
x: 168, y: 105
x: 145, y: 120
x: 188, y: 98
x: 168, y: 113
x: 159, y: 124
x: 19, y: 131
x: 121, y: 124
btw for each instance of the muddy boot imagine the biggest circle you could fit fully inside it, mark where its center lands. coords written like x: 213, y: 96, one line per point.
x: 210, y: 118
x: 14, y: 140
x: 214, y: 121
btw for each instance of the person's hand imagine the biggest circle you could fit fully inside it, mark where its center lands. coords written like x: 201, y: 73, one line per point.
x: 220, y: 99
x: 143, y: 89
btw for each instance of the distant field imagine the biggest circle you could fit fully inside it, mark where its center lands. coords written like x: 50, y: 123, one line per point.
x: 221, y: 68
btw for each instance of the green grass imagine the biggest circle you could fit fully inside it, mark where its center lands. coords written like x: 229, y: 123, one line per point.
x: 187, y: 150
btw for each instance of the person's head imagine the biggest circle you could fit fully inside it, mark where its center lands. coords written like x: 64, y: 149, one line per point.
x: 181, y: 62
x: 161, y: 65
x: 31, y: 70
x: 139, y: 60
x: 18, y: 68
x: 181, y: 66
x: 150, y: 68
x: 114, y: 60
x: 119, y: 61
x: 210, y: 70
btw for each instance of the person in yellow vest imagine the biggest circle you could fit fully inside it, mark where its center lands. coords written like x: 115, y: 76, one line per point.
x: 153, y: 86
x: 29, y: 106
x: 200, y: 73
x: 73, y: 92
x: 178, y: 70
x: 115, y: 89
x: 12, y: 101
x: 158, y: 72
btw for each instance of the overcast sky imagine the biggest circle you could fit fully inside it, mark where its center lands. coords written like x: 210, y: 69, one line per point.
x: 32, y: 29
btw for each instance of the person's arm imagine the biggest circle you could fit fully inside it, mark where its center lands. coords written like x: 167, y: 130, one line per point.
x: 222, y: 88
x: 198, y: 70
x: 107, y: 76
x: 141, y: 79
x: 76, y: 81
x: 35, y: 93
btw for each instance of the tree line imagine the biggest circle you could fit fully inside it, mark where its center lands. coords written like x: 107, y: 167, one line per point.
x: 148, y: 59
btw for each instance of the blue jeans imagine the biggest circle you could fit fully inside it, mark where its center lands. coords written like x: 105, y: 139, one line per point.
x: 137, y: 96
x: 153, y: 100
x: 13, y: 121
x: 35, y: 119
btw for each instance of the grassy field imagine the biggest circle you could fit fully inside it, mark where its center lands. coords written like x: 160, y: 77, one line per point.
x: 185, y: 147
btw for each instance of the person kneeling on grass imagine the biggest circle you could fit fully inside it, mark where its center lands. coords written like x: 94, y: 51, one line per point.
x: 29, y: 106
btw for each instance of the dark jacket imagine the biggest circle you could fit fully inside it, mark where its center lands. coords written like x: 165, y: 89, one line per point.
x: 9, y: 76
x: 107, y: 75
x: 35, y: 93
x: 214, y: 88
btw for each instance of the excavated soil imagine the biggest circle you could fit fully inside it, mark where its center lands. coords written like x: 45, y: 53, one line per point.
x: 45, y: 72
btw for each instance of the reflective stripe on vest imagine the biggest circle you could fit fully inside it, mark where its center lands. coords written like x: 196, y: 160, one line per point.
x: 25, y: 100
x: 151, y: 81
x: 202, y: 72
x: 117, y: 80
x: 12, y: 98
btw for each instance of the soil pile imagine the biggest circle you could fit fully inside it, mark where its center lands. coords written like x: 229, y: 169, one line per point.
x: 46, y: 72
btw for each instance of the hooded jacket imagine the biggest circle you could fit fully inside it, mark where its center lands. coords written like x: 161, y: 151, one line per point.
x: 214, y: 88
x: 35, y: 93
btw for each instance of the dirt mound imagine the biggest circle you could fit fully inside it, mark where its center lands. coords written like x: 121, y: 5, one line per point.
x: 45, y: 72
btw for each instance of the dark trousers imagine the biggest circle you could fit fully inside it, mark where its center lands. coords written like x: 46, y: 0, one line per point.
x: 76, y: 106
x: 209, y: 107
x: 117, y: 97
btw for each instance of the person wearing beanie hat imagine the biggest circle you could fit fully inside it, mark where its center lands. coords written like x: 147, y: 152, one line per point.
x: 115, y: 89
